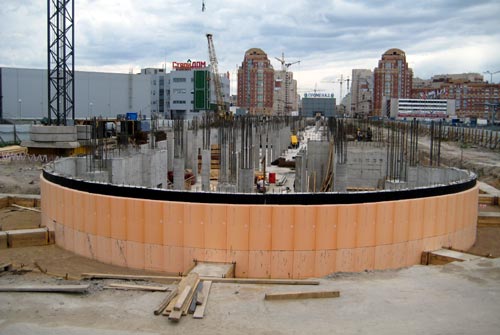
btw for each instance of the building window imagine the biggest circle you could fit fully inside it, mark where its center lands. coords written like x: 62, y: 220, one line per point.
x: 179, y: 80
x: 177, y: 102
x: 179, y: 90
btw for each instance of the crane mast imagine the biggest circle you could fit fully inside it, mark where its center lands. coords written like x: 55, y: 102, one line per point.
x: 221, y: 108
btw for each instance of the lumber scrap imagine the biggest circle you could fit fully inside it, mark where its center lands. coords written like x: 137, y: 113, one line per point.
x: 185, y: 306
x: 91, y: 276
x: 262, y: 281
x: 5, y: 267
x: 45, y: 288
x: 119, y: 286
x: 194, y: 300
x: 190, y: 280
x: 161, y: 307
x: 200, y: 309
x: 3, y: 240
x: 488, y: 199
x: 445, y: 256
x: 182, y: 298
x: 26, y: 208
x: 488, y: 219
x: 27, y: 237
x: 301, y: 295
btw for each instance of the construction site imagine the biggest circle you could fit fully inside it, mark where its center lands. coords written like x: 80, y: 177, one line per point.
x: 245, y: 224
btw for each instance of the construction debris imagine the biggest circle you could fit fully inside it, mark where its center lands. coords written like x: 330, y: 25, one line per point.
x: 119, y: 286
x: 445, y: 256
x: 46, y: 288
x: 128, y: 277
x: 165, y: 302
x: 301, y: 295
x: 200, y: 309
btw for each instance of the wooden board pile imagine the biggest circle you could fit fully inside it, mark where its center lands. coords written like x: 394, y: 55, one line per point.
x: 190, y: 297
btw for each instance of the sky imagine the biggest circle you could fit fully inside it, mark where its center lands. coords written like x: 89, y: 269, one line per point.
x: 328, y: 37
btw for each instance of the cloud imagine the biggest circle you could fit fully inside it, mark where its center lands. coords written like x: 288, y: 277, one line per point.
x: 329, y: 37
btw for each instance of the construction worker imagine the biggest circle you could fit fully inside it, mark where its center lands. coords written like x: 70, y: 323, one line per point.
x: 369, y: 134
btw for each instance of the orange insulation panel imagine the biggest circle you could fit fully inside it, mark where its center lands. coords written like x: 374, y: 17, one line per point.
x: 264, y: 241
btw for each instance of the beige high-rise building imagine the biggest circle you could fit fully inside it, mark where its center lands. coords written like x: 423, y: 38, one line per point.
x: 361, y: 93
x: 286, y: 99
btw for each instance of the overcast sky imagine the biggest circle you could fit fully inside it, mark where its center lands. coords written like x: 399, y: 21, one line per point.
x: 329, y: 37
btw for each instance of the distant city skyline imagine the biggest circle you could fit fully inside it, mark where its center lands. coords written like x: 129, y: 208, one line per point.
x: 330, y: 38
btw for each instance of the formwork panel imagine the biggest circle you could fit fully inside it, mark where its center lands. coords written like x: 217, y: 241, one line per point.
x: 119, y: 252
x: 194, y: 225
x: 384, y: 230
x: 282, y: 264
x: 304, y: 238
x: 383, y: 256
x: 102, y: 218
x: 400, y: 255
x: 347, y: 226
x: 135, y: 255
x: 259, y: 264
x: 173, y: 228
x: 103, y: 249
x: 240, y: 258
x: 401, y: 221
x: 429, y: 217
x: 153, y: 222
x: 238, y: 226
x: 366, y: 225
x: 441, y: 215
x: 153, y: 257
x: 173, y: 259
x: 364, y: 259
x: 283, y: 226
x: 345, y: 260
x: 324, y: 262
x: 416, y: 220
x: 118, y: 218
x: 215, y: 255
x: 215, y: 227
x: 326, y: 228
x: 135, y: 220
x: 59, y: 200
x: 69, y: 239
x: 260, y: 229
x: 451, y: 215
x: 303, y: 264
x: 69, y: 208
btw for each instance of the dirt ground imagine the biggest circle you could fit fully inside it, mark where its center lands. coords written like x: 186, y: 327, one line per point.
x: 453, y: 299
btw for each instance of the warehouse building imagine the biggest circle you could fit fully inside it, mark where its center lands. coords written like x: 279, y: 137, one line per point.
x: 23, y: 92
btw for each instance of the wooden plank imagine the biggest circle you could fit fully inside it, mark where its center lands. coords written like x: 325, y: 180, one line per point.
x: 187, y: 303
x: 46, y: 288
x: 161, y: 307
x: 27, y: 237
x: 119, y: 286
x: 182, y: 298
x: 127, y: 277
x: 301, y: 295
x: 263, y: 281
x: 194, y: 300
x: 200, y: 310
x: 445, y: 256
x: 488, y: 219
x: 27, y: 208
x: 5, y: 267
x: 189, y: 280
x: 175, y: 316
x: 3, y: 240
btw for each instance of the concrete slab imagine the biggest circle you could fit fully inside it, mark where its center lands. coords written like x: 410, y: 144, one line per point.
x: 215, y: 270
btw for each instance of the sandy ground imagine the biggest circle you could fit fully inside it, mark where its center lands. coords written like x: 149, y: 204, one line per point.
x: 458, y: 298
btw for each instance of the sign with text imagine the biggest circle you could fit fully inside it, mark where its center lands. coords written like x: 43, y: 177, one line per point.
x: 318, y: 95
x: 189, y: 65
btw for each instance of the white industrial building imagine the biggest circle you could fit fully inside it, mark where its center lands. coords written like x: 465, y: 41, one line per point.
x: 421, y: 109
x: 23, y: 93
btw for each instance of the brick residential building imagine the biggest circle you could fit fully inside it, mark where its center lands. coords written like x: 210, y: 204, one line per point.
x: 256, y: 83
x: 392, y: 79
x: 474, y: 98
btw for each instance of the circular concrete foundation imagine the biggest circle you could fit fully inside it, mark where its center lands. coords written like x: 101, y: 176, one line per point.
x: 266, y: 235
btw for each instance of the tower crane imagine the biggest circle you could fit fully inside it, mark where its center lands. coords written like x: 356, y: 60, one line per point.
x: 203, y: 5
x: 341, y: 81
x: 284, y: 68
x: 221, y: 106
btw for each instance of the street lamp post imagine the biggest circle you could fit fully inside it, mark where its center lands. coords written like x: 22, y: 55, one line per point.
x: 491, y: 75
x: 20, y: 102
